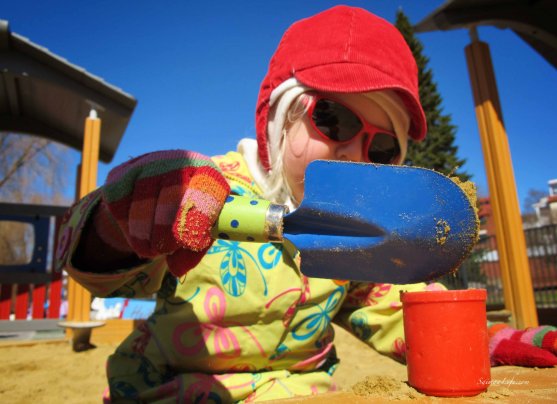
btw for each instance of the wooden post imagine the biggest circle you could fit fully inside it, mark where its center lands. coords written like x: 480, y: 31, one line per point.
x: 79, y: 299
x: 513, y: 258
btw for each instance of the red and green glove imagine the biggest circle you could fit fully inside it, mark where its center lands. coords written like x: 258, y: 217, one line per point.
x: 533, y: 347
x: 162, y: 203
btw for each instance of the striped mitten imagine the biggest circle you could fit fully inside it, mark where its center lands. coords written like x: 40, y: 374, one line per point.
x: 533, y: 347
x: 165, y: 203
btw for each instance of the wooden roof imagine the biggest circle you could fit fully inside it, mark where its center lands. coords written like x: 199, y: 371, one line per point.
x: 533, y: 21
x: 43, y: 94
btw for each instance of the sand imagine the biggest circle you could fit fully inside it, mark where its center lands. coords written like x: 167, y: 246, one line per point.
x: 50, y: 372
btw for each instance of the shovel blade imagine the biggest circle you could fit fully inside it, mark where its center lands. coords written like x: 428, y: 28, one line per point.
x: 380, y: 223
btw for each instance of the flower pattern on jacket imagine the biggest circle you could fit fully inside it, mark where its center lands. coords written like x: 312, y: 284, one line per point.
x: 367, y: 294
x: 233, y: 265
x: 190, y: 338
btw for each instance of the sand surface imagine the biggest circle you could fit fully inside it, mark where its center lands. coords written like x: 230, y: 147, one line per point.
x: 50, y: 372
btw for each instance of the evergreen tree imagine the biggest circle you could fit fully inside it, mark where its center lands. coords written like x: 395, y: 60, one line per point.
x: 438, y: 150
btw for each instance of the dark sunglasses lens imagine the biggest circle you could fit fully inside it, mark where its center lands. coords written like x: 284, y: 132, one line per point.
x: 335, y: 120
x: 384, y: 149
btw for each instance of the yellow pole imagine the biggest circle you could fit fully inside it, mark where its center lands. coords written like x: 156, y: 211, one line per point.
x: 79, y: 299
x: 513, y: 258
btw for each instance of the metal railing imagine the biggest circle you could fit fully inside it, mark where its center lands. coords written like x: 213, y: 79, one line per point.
x: 482, y: 270
x: 32, y: 289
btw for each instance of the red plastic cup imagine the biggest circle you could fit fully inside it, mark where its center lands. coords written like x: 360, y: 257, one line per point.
x: 447, y: 352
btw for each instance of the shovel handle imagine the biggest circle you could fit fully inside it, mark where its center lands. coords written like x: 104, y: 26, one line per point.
x: 244, y: 218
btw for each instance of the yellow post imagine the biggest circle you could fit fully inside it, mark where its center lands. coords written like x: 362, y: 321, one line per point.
x: 79, y: 299
x: 513, y: 258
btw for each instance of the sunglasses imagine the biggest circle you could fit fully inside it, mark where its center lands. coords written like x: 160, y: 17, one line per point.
x: 337, y: 122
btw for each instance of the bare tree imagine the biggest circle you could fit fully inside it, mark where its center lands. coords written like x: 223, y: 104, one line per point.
x: 534, y: 196
x: 15, y: 240
x: 32, y: 171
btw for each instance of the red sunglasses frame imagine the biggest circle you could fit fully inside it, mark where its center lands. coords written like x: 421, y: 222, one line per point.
x: 368, y: 128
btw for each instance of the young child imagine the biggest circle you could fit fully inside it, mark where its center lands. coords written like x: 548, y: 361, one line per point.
x: 237, y: 321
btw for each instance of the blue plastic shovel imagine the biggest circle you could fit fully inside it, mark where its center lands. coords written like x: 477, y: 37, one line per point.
x: 365, y: 222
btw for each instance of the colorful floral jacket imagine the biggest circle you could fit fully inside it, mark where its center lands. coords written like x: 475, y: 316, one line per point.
x: 246, y: 309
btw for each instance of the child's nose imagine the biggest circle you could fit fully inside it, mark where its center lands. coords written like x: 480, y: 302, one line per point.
x: 353, y: 150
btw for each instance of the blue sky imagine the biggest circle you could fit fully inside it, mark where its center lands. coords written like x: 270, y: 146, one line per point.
x: 196, y: 67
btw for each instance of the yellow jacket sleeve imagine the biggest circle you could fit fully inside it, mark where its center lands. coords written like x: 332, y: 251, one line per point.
x: 373, y: 312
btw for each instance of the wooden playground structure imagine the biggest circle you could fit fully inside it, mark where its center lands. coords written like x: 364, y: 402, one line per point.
x: 44, y: 95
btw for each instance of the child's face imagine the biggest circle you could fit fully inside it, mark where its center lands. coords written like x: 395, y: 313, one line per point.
x: 303, y: 144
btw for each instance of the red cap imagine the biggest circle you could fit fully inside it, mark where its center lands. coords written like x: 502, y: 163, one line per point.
x: 345, y: 50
